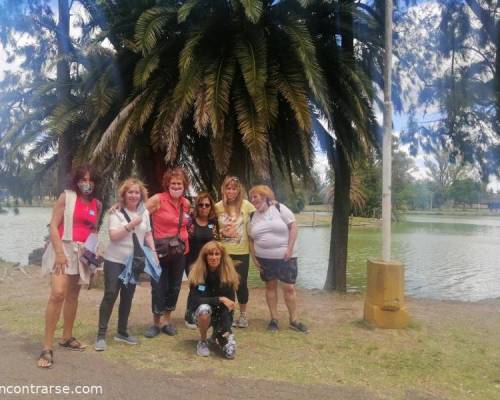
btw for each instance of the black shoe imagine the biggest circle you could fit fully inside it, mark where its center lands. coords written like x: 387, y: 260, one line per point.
x: 169, y: 330
x: 152, y: 331
x: 298, y: 326
x: 273, y: 325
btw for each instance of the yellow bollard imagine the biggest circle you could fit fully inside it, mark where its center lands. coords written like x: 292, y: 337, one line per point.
x: 385, y: 298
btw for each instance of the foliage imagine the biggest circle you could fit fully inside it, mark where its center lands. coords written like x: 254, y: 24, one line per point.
x: 456, y: 75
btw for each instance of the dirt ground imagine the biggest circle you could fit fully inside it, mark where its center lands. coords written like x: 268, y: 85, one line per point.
x: 340, y: 358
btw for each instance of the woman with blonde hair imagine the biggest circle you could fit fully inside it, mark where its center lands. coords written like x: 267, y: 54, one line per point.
x: 233, y: 213
x: 213, y: 281
x: 273, y: 238
x: 124, y: 222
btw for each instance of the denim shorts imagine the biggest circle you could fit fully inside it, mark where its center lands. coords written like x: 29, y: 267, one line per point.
x: 284, y: 271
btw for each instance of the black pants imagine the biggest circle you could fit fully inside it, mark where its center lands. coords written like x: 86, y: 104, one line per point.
x: 113, y: 286
x: 164, y: 294
x: 242, y: 269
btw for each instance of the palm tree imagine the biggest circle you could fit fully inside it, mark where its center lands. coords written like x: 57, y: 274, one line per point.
x: 228, y: 88
x: 352, y: 129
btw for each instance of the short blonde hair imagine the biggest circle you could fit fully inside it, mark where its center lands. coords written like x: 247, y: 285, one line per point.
x: 264, y: 191
x: 127, y: 184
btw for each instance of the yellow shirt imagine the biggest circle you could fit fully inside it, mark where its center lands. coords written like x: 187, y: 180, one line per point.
x: 233, y: 228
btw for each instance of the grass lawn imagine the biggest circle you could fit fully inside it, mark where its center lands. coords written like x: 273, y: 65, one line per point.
x: 450, y: 350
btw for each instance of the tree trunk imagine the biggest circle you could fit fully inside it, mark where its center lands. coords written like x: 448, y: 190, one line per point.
x: 65, y: 155
x: 336, y: 278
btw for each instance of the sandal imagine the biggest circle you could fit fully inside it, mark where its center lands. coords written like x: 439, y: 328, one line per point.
x: 48, y: 356
x: 72, y: 344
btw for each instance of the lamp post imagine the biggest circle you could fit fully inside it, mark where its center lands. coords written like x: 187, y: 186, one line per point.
x: 384, y: 302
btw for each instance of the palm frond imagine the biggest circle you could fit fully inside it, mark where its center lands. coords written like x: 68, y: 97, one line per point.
x: 201, y: 116
x: 114, y: 128
x: 144, y: 68
x: 291, y: 85
x: 187, y: 54
x: 253, y: 132
x: 303, y: 45
x: 253, y: 9
x: 150, y: 26
x: 251, y: 53
x: 185, y: 10
x: 218, y: 79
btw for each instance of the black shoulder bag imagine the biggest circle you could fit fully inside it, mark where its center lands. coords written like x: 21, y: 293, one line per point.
x: 174, y: 245
x: 139, y: 260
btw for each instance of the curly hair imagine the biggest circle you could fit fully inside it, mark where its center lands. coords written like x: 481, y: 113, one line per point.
x: 127, y: 184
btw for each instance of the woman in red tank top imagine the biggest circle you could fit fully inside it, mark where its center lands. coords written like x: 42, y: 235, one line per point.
x: 65, y: 271
x: 166, y: 209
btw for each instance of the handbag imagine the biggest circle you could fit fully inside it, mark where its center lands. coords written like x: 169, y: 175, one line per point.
x: 173, y: 245
x: 139, y: 258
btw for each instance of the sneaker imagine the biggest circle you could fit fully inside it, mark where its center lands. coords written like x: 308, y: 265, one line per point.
x: 229, y: 349
x: 100, y: 344
x: 298, y: 326
x: 126, y: 339
x: 169, y: 330
x: 152, y: 331
x: 242, y: 321
x: 273, y: 325
x: 202, y: 348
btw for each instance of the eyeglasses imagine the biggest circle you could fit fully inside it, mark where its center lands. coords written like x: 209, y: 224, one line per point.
x: 204, y: 205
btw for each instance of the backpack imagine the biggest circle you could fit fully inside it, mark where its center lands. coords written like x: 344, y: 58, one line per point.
x: 277, y: 205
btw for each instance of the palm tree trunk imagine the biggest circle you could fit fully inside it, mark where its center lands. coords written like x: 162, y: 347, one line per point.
x: 336, y: 278
x: 65, y: 155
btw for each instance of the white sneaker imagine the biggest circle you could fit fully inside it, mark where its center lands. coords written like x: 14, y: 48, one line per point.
x: 202, y: 348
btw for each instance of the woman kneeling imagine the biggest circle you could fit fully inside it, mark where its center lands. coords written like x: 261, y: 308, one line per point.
x: 213, y: 281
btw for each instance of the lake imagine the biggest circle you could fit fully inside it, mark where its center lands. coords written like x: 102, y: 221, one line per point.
x: 455, y: 258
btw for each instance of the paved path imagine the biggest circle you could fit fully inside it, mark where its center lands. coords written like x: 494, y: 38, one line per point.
x: 121, y: 382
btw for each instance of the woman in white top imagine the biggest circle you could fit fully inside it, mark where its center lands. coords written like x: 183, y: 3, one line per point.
x: 273, y: 234
x: 132, y: 193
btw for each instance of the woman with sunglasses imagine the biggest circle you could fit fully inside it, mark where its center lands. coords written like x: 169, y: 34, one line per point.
x: 233, y: 214
x: 202, y: 229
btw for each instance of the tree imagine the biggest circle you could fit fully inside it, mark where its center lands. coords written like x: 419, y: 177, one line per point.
x: 457, y: 78
x: 226, y: 88
x: 467, y: 191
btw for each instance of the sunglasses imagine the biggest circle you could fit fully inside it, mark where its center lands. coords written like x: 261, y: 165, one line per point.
x: 204, y: 205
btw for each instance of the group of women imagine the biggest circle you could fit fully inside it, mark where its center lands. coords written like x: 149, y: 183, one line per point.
x: 210, y: 242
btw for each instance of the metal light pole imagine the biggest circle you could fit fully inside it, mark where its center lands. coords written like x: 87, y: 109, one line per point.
x: 387, y: 141
x: 385, y: 302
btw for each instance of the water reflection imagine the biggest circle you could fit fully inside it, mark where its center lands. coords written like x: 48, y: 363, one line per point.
x: 444, y: 257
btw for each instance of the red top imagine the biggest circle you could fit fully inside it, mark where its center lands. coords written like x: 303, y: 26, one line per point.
x: 166, y: 219
x: 84, y: 220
